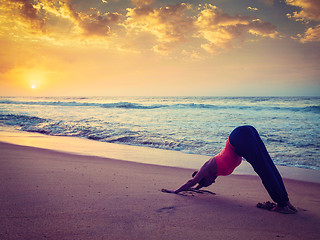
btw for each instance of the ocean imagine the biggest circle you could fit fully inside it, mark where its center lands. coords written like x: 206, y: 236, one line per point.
x: 289, y: 126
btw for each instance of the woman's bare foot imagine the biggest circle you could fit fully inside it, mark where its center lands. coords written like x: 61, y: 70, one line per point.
x: 291, y: 207
x: 288, y: 209
x: 284, y: 210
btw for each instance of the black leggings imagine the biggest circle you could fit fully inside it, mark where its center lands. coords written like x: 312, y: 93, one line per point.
x: 248, y: 144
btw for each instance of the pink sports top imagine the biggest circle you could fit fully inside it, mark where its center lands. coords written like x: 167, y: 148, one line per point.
x: 227, y: 160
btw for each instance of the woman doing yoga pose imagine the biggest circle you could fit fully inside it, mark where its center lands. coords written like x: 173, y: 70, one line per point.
x: 244, y: 142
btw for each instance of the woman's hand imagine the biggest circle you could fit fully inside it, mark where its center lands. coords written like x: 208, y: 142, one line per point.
x: 167, y: 191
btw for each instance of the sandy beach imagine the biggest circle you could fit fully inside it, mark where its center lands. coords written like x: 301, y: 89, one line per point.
x: 108, y: 107
x: 48, y: 194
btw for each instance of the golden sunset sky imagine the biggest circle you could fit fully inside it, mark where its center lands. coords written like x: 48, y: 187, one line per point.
x: 154, y: 47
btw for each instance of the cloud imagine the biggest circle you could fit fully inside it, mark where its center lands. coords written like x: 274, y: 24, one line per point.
x: 309, y: 10
x: 165, y: 30
x: 311, y: 35
x: 221, y: 29
x: 252, y: 9
x: 170, y: 25
x: 140, y: 3
x: 23, y: 11
x: 93, y: 23
x: 45, y: 15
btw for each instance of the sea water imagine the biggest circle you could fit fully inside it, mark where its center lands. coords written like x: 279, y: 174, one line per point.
x: 289, y: 126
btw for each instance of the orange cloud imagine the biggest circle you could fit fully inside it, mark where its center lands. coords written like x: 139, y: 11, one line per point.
x: 39, y: 15
x: 309, y: 10
x: 221, y: 29
x: 170, y: 25
x: 93, y: 23
x: 164, y: 30
x: 23, y: 11
x: 252, y: 8
x: 311, y: 35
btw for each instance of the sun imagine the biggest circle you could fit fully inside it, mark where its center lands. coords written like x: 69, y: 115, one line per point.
x: 34, y: 78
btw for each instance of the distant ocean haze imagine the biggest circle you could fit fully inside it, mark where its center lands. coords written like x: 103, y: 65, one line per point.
x: 289, y: 126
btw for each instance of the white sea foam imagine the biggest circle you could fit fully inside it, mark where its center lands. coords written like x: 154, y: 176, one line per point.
x: 198, y: 125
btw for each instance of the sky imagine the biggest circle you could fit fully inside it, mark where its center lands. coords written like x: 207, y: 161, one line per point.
x: 160, y: 48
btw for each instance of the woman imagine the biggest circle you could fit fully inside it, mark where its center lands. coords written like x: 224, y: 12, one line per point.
x: 244, y: 142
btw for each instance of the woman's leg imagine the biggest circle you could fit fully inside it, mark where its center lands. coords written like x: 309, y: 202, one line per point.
x: 248, y: 144
x: 270, y: 162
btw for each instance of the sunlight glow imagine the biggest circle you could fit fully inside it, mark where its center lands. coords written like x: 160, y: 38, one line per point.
x: 159, y: 48
x: 34, y: 78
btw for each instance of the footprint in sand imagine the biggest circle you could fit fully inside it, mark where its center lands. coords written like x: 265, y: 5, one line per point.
x: 166, y: 210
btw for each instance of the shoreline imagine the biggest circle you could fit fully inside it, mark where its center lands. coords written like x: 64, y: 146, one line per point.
x: 139, y: 154
x: 47, y: 194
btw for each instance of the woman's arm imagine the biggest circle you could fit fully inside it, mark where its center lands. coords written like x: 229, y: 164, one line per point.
x: 198, y: 187
x: 186, y: 186
x: 197, y: 178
